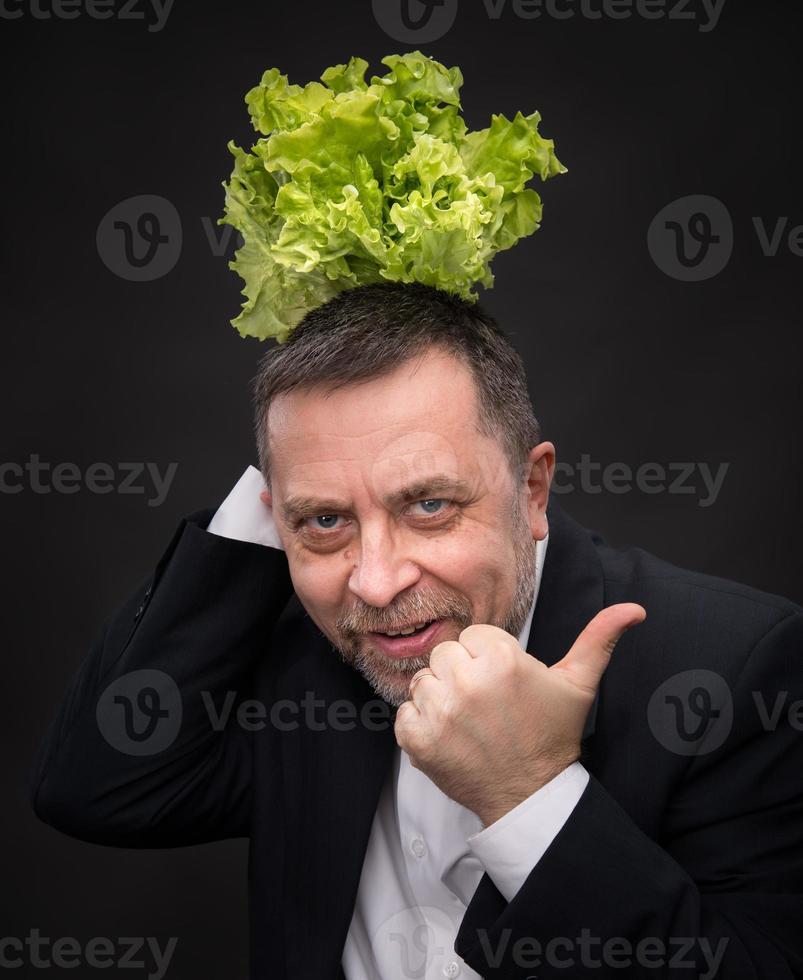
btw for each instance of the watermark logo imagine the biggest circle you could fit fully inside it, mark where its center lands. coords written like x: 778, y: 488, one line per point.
x: 415, y: 21
x: 691, y: 239
x: 139, y: 239
x: 140, y: 712
x: 416, y: 943
x: 691, y: 713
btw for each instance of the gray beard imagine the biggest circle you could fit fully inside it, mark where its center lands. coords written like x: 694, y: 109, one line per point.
x: 390, y: 679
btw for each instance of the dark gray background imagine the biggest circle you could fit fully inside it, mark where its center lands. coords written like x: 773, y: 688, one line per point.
x: 626, y: 363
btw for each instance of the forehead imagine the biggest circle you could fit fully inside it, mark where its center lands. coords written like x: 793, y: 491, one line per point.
x: 422, y: 416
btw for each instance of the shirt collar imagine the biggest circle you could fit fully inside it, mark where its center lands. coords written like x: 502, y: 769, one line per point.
x: 540, y: 552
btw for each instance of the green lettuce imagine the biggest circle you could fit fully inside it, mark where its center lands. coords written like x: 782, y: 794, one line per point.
x: 354, y: 182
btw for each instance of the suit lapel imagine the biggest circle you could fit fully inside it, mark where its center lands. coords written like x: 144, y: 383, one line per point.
x: 333, y: 767
x: 570, y: 594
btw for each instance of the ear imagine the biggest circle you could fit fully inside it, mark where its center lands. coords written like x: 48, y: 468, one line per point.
x: 538, y: 477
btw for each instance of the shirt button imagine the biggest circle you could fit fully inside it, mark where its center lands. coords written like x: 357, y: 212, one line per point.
x: 419, y: 848
x: 451, y: 969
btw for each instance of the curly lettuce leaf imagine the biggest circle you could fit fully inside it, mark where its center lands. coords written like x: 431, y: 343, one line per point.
x: 354, y: 182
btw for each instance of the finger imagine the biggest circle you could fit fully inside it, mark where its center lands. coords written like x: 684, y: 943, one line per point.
x: 445, y: 657
x: 483, y: 640
x: 423, y: 687
x: 407, y: 719
x: 591, y: 652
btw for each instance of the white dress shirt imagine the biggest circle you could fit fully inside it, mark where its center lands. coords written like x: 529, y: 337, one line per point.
x: 426, y: 853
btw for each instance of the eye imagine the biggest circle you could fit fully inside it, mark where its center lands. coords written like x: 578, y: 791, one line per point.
x: 432, y: 505
x: 322, y: 522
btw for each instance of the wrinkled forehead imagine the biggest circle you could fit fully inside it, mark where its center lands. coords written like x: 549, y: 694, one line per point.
x: 420, y: 420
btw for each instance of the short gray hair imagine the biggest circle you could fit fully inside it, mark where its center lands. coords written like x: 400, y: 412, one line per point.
x: 366, y: 331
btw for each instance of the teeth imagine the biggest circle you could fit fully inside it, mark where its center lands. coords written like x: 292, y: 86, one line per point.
x: 408, y: 631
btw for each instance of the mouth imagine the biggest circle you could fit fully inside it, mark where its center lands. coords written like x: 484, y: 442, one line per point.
x: 412, y: 641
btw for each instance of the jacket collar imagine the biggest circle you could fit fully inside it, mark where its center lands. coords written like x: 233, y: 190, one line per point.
x: 571, y: 593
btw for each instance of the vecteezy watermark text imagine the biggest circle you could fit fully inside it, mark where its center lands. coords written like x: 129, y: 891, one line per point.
x: 423, y: 21
x: 100, y: 952
x: 65, y: 477
x: 311, y: 713
x: 615, y: 952
x: 707, y: 12
x: 651, y: 478
x: 94, y: 9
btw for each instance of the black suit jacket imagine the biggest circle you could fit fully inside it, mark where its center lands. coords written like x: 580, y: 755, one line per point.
x: 663, y: 844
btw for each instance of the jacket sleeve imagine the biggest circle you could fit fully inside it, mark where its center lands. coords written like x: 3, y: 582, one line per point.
x: 719, y: 895
x: 145, y: 749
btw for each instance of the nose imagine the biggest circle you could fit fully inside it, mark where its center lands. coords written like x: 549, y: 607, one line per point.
x: 382, y: 569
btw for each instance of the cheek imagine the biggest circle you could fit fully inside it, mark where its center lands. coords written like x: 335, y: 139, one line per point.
x: 320, y: 582
x: 463, y: 550
x: 471, y: 566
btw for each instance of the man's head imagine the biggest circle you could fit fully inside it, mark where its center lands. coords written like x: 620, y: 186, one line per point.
x: 405, y: 472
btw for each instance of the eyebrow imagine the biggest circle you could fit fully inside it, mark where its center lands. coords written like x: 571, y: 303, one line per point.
x: 440, y: 484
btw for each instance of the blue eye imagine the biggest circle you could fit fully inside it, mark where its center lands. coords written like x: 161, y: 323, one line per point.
x: 325, y: 521
x: 432, y: 505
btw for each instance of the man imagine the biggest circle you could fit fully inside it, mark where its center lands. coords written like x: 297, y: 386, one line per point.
x: 452, y: 773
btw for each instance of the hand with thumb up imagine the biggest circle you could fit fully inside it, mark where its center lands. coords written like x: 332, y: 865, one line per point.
x: 490, y: 724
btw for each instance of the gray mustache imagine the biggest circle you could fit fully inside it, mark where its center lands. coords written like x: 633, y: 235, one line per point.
x: 427, y: 606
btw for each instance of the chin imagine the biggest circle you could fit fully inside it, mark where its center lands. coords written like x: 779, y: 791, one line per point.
x: 389, y: 679
x: 391, y: 691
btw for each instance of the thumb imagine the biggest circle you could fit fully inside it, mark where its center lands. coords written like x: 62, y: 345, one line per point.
x: 591, y: 652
